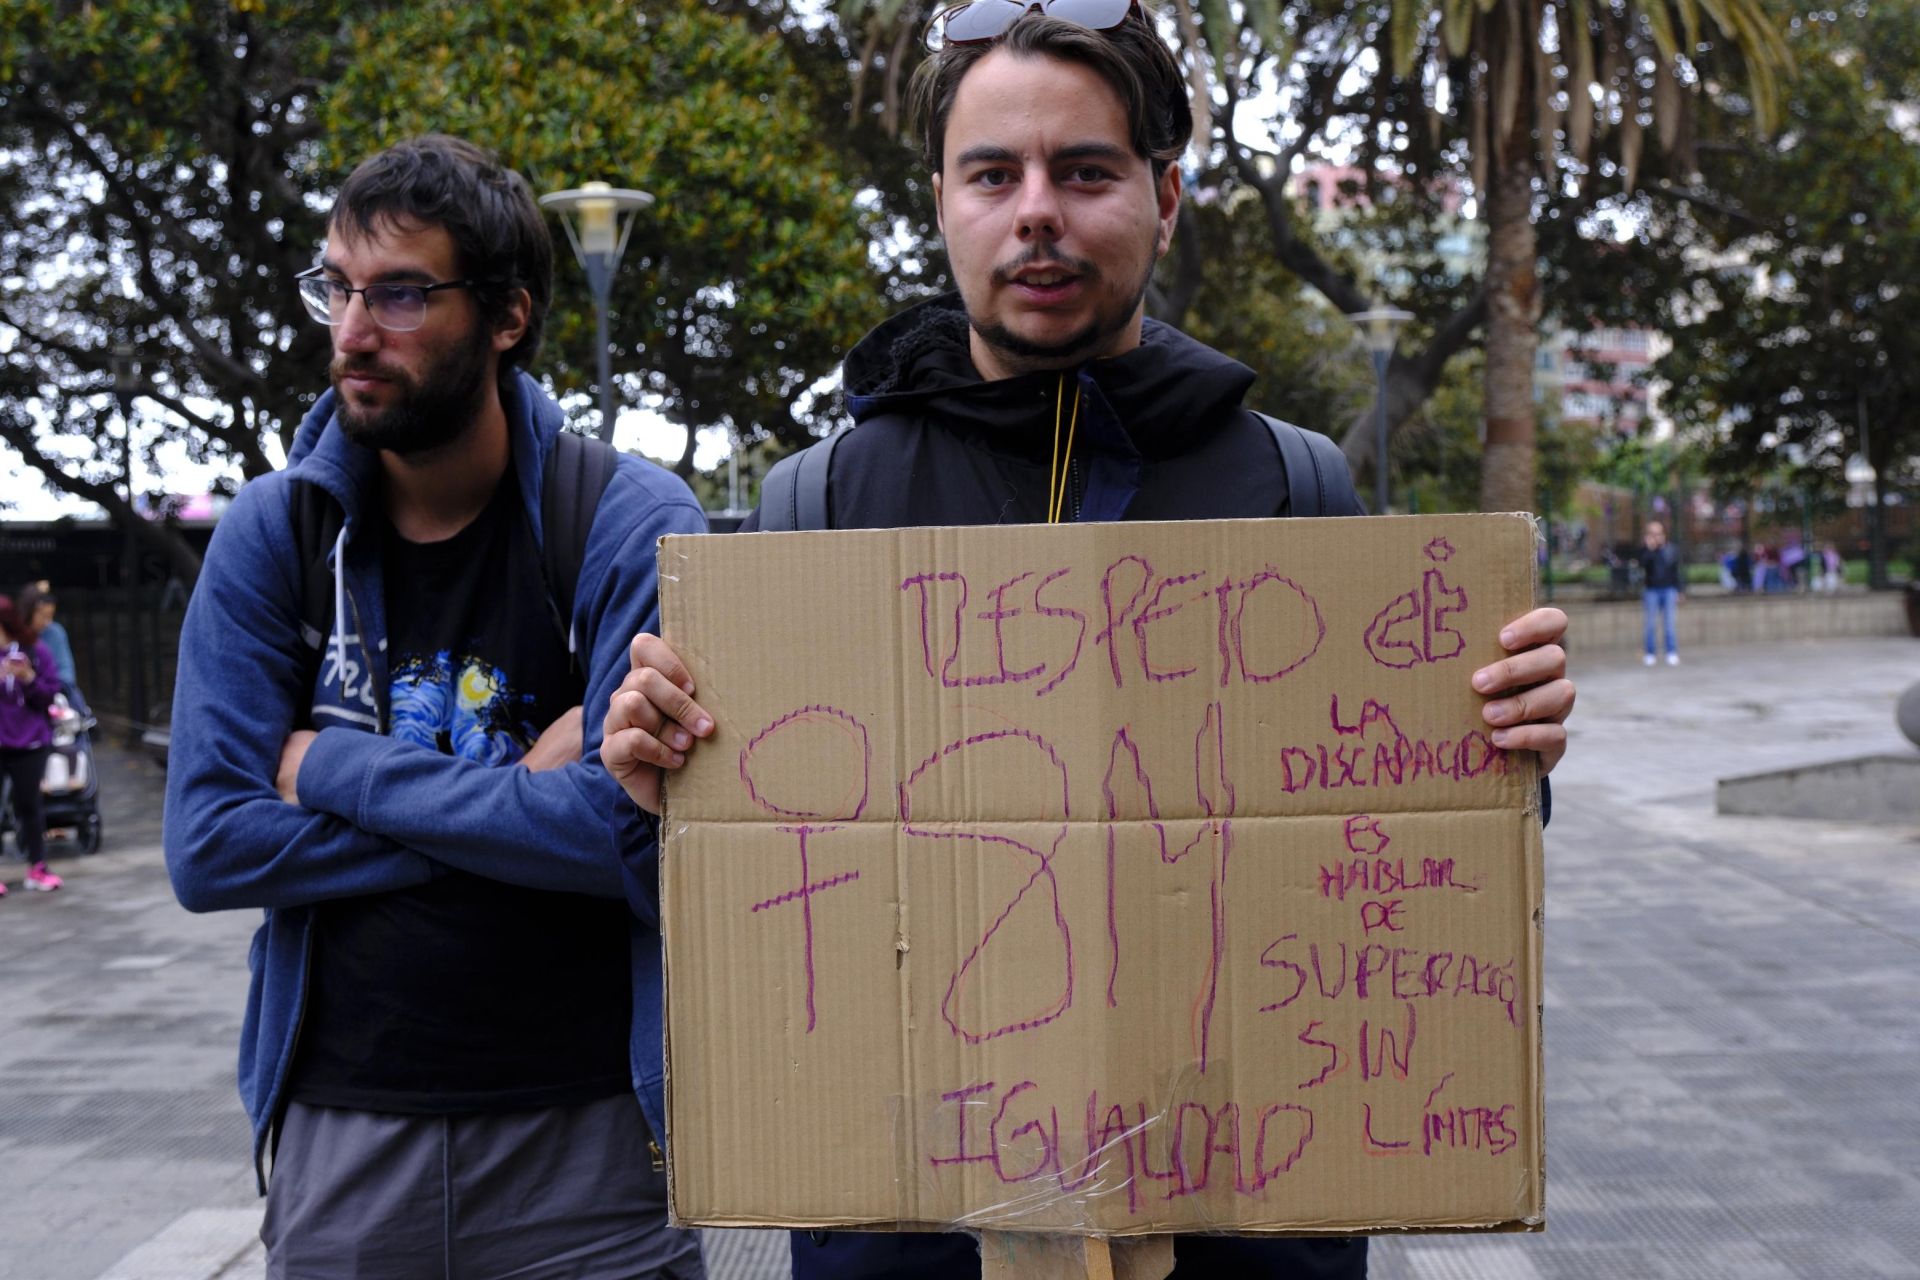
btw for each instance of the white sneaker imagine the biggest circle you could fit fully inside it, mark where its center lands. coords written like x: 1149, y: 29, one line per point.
x: 1648, y: 660
x: 1673, y: 659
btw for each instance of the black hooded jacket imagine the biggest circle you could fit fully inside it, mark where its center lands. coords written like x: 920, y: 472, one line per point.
x: 1158, y: 433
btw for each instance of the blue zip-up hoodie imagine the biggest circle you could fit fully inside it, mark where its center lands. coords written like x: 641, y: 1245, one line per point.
x: 377, y: 814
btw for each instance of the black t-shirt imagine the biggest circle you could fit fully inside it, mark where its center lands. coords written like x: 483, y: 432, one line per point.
x: 1660, y: 565
x: 465, y: 994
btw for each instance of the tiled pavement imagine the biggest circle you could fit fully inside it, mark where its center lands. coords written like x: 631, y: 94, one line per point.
x: 1733, y: 1017
x: 1732, y: 1005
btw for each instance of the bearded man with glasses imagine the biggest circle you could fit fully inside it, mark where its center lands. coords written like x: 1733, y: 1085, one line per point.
x: 437, y: 1055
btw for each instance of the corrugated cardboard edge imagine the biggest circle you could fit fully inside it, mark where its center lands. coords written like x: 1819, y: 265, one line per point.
x: 669, y: 588
x: 1504, y: 1226
x: 1532, y: 1217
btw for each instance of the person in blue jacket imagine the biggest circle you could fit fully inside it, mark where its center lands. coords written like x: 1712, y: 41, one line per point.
x: 446, y: 1052
x: 1040, y: 392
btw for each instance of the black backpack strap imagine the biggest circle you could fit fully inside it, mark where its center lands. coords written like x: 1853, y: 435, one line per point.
x: 1310, y: 456
x: 793, y: 497
x: 578, y: 470
x: 1338, y: 497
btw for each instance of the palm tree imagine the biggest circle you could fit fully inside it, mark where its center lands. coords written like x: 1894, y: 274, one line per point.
x: 1545, y: 80
x: 883, y: 35
x: 1559, y: 93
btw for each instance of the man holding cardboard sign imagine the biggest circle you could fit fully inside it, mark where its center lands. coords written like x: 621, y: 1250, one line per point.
x: 1041, y: 394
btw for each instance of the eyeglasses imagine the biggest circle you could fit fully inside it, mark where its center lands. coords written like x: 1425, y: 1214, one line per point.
x: 397, y: 308
x: 982, y: 20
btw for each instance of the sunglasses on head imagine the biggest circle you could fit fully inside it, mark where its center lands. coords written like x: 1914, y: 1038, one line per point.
x: 981, y: 20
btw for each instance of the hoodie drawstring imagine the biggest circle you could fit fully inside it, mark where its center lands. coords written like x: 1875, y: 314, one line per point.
x: 1061, y: 472
x: 340, y: 603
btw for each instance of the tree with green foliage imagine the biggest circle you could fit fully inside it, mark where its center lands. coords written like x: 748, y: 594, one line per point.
x: 165, y: 168
x: 1525, y: 100
x: 1528, y: 108
x: 1304, y: 356
x: 858, y: 119
x: 881, y: 42
x: 148, y: 159
x: 1802, y: 332
x: 1311, y: 366
x: 749, y: 276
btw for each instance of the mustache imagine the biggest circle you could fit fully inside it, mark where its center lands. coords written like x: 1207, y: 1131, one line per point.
x: 359, y: 366
x: 1047, y: 254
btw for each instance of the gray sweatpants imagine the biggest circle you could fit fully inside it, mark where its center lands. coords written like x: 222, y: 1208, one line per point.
x: 567, y: 1193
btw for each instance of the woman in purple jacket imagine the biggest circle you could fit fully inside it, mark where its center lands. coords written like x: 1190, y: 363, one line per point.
x: 28, y: 682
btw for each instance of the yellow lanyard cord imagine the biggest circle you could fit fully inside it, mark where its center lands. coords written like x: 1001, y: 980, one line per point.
x: 1061, y: 471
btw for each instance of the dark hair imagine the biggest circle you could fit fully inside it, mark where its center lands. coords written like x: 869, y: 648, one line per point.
x: 489, y: 210
x: 31, y: 597
x: 19, y: 631
x: 1131, y: 57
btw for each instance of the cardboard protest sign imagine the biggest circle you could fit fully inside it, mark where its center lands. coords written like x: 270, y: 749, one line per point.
x: 1103, y: 879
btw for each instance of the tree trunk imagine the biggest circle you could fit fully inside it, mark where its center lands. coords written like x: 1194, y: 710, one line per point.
x: 1411, y: 380
x: 183, y: 562
x: 1202, y: 101
x: 1877, y: 532
x: 1513, y: 313
x: 1746, y: 538
x: 683, y: 466
x: 1681, y: 537
x: 1169, y: 304
x: 1408, y: 388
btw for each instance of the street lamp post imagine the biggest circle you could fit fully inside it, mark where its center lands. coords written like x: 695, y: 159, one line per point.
x: 1380, y: 330
x: 1876, y: 528
x: 598, y: 219
x: 1799, y: 459
x: 126, y: 381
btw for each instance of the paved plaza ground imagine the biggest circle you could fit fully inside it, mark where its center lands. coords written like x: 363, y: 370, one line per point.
x: 1732, y: 1015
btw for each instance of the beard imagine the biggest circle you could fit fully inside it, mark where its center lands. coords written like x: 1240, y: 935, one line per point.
x: 427, y: 413
x: 1025, y: 355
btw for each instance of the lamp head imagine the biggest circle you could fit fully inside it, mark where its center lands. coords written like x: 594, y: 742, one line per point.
x: 1380, y: 327
x: 593, y: 214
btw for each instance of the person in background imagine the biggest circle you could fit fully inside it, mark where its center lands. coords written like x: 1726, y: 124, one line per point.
x: 1660, y: 589
x: 1833, y: 569
x: 1793, y: 564
x: 37, y: 607
x: 29, y: 679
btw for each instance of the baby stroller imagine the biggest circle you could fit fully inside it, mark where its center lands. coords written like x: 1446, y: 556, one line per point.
x: 70, y: 787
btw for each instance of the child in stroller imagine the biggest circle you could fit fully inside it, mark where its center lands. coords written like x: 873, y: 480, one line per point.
x: 71, y: 790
